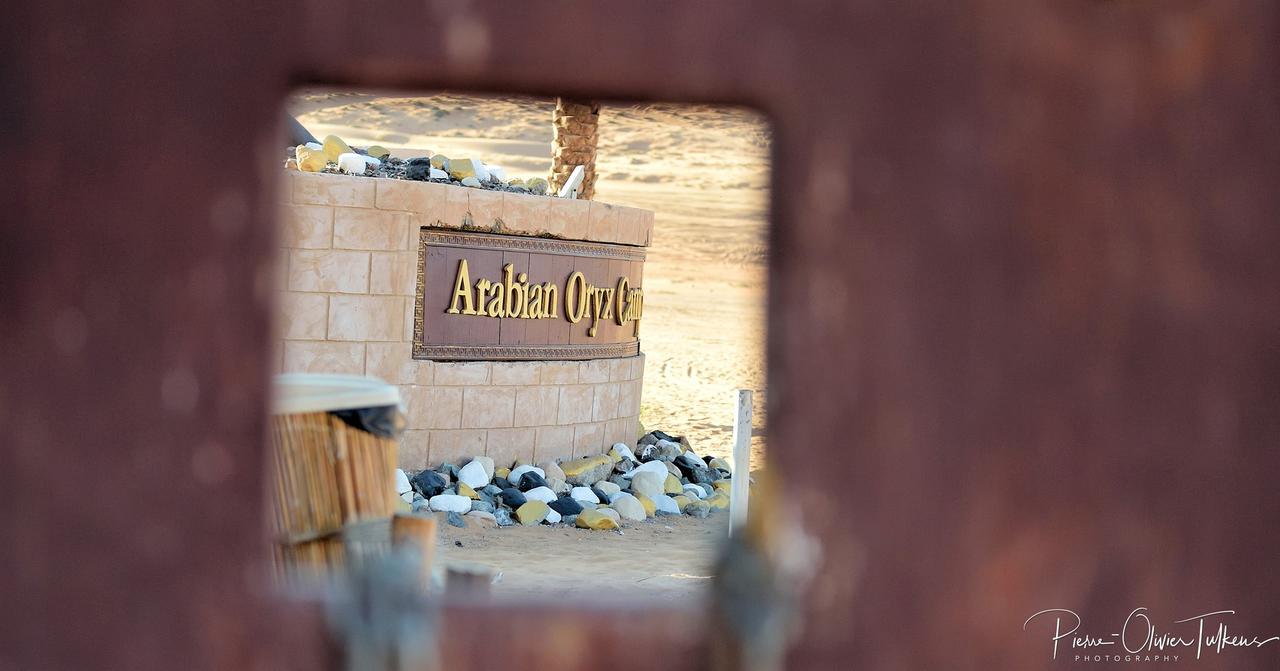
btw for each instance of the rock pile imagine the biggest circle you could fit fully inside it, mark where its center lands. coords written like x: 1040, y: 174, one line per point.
x: 335, y: 156
x: 661, y: 476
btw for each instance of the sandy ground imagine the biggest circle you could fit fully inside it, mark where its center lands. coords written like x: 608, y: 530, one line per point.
x: 663, y: 559
x: 703, y: 171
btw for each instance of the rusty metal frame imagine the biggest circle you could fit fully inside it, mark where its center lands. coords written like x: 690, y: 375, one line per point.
x: 1022, y: 311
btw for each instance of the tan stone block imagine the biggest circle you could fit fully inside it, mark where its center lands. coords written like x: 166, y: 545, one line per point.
x: 628, y: 401
x: 525, y: 213
x: 456, y: 207
x: 605, y: 405
x: 645, y: 236
x: 432, y: 407
x: 284, y: 188
x: 576, y: 404
x: 621, y: 430
x: 282, y: 269
x: 277, y: 357
x: 637, y: 366
x: 488, y: 407
x: 462, y: 373
x: 307, y: 226
x: 303, y: 316
x: 455, y: 445
x: 560, y: 372
x: 355, y: 228
x: 328, y: 271
x: 516, y: 372
x: 485, y: 207
x: 307, y: 356
x: 596, y: 370
x: 414, y: 453
x: 588, y: 439
x: 394, y: 363
x: 325, y: 189
x: 604, y: 221
x: 634, y: 226
x: 366, y: 318
x: 407, y: 336
x: 553, y: 442
x: 569, y: 218
x: 393, y: 273
x: 619, y: 369
x: 411, y: 196
x: 506, y: 446
x: 537, y: 406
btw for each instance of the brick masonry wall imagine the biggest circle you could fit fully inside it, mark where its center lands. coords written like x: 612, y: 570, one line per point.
x: 348, y: 259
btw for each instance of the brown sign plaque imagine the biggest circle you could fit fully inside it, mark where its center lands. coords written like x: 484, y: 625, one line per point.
x: 500, y: 297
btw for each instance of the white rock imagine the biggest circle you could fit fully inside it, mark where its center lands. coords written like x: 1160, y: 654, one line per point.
x: 315, y: 145
x: 612, y: 513
x: 371, y: 160
x: 407, y: 496
x: 614, y: 496
x: 496, y: 173
x: 351, y: 163
x: 437, y: 173
x: 514, y: 476
x: 629, y: 507
x: 474, y: 475
x: 659, y: 467
x: 625, y: 451
x: 487, y: 463
x: 482, y: 171
x: 553, y: 517
x: 402, y: 482
x: 450, y: 503
x: 470, y: 181
x: 584, y: 494
x: 666, y: 504
x: 649, y: 484
x: 695, y: 491
x: 693, y: 456
x: 543, y: 494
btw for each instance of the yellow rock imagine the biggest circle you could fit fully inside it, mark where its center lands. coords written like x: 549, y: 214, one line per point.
x: 719, y: 463
x: 722, y: 485
x: 310, y: 160
x: 538, y: 185
x: 462, y: 168
x: 515, y: 182
x: 501, y: 472
x: 403, y: 506
x: 588, y: 470
x: 465, y: 490
x: 615, y: 455
x: 532, y: 512
x: 379, y: 151
x: 718, y: 501
x: 681, y: 501
x: 673, y: 485
x: 439, y: 161
x: 650, y: 508
x: 334, y: 147
x: 594, y: 519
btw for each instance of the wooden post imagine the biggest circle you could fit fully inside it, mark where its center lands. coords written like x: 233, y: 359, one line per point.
x: 741, y: 460
x: 419, y: 531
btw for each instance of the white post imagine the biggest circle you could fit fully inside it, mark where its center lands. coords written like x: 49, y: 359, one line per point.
x: 739, y: 486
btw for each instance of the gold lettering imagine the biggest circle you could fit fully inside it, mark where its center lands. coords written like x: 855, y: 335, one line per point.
x: 534, y: 306
x: 578, y: 307
x: 510, y: 308
x: 619, y: 315
x: 482, y: 288
x: 462, y: 289
x: 523, y: 279
x: 497, y: 300
x: 550, y: 300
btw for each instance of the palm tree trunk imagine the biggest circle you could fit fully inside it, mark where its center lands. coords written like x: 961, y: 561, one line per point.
x: 574, y: 143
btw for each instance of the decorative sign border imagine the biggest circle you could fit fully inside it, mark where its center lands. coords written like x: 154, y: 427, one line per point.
x: 454, y: 238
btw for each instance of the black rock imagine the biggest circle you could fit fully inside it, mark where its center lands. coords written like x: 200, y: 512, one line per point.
x: 483, y: 506
x: 622, y: 482
x: 600, y: 495
x: 501, y: 482
x: 448, y: 470
x: 703, y: 476
x: 647, y: 439
x: 455, y: 519
x: 530, y: 480
x: 512, y: 498
x: 566, y: 506
x: 428, y: 483
x: 421, y: 160
x: 421, y: 173
x: 686, y: 464
x: 664, y: 436
x: 491, y: 490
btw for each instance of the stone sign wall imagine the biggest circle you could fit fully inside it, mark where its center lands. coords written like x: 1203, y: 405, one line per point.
x: 351, y: 256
